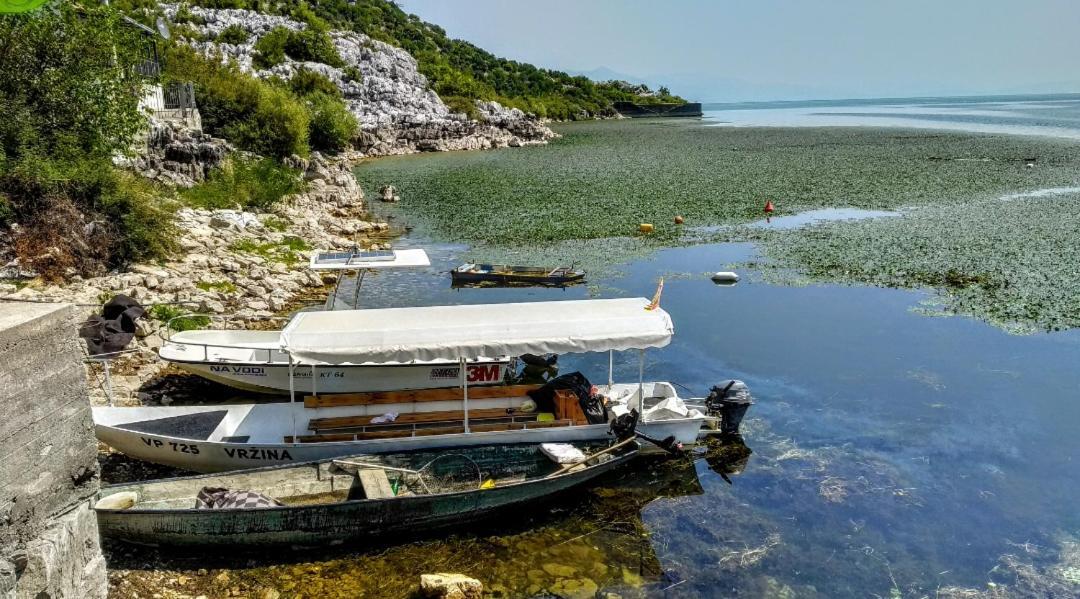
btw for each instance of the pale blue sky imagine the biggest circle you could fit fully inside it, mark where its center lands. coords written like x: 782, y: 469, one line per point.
x: 725, y: 50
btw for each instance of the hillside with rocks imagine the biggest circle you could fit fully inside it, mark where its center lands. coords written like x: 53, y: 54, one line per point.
x: 397, y: 110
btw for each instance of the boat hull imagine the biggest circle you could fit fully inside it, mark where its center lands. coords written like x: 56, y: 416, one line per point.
x: 273, y: 379
x: 202, y: 455
x: 335, y: 523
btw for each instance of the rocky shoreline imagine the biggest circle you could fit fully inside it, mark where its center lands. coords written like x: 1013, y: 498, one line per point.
x: 246, y: 265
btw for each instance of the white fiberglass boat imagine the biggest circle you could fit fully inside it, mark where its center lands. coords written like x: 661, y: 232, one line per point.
x: 254, y: 361
x: 216, y: 438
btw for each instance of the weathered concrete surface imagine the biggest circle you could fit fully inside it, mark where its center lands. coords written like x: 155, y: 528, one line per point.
x: 48, y: 458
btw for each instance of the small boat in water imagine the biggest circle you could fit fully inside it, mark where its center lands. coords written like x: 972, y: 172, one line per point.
x: 516, y: 275
x: 356, y: 497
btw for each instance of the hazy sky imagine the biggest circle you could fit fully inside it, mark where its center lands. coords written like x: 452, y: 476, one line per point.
x: 786, y: 49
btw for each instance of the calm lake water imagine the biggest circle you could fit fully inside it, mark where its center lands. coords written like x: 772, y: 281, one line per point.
x: 1056, y: 115
x: 891, y: 450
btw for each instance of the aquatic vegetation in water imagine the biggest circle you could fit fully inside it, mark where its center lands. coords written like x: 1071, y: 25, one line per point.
x: 1012, y: 263
x: 601, y: 180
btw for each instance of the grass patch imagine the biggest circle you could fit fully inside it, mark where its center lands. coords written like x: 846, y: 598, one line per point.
x: 275, y: 223
x: 247, y: 183
x: 184, y: 320
x: 219, y: 286
x: 287, y: 252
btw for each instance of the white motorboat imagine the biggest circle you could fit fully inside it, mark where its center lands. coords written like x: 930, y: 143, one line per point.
x: 226, y: 437
x: 253, y: 360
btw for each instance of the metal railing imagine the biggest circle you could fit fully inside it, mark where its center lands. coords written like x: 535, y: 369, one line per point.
x: 179, y: 96
x: 166, y: 333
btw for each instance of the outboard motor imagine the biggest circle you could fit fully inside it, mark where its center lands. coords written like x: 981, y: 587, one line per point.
x: 729, y: 400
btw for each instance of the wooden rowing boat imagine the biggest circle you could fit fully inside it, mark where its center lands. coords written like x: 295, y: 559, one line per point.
x: 521, y: 275
x: 362, y: 496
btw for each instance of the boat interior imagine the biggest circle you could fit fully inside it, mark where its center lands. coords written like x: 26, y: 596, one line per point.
x: 361, y: 477
x: 361, y: 416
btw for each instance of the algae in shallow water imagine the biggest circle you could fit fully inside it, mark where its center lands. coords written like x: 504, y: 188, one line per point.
x: 602, y: 180
x: 1013, y: 263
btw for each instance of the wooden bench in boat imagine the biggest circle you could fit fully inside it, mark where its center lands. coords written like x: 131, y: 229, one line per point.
x: 415, y: 395
x: 345, y: 422
x: 453, y: 428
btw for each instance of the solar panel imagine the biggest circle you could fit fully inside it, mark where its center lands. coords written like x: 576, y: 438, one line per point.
x: 369, y: 259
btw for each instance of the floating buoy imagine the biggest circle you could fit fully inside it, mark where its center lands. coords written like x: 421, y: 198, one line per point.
x: 725, y: 277
x: 769, y: 207
x: 645, y: 227
x: 679, y: 220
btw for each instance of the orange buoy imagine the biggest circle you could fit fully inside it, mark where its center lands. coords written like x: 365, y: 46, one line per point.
x: 645, y: 227
x: 678, y: 220
x: 769, y: 207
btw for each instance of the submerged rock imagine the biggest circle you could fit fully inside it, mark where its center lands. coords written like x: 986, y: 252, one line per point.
x: 446, y: 585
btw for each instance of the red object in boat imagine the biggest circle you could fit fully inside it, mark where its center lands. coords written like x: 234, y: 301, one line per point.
x: 768, y: 207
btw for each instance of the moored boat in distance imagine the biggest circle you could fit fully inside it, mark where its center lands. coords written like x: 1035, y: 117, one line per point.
x: 467, y: 274
x: 353, y: 498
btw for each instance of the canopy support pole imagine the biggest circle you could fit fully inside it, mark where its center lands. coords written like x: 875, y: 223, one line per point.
x: 465, y: 394
x: 333, y: 294
x: 641, y: 381
x: 610, y: 369
x: 314, y: 381
x: 292, y: 396
x: 356, y: 291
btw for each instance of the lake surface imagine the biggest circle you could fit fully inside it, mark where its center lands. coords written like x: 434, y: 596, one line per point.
x: 890, y: 450
x: 1052, y: 115
x: 889, y: 453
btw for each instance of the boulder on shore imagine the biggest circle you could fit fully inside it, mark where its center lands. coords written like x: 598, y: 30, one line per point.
x: 450, y: 586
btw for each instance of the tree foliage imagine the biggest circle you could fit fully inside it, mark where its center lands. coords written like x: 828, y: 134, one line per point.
x: 456, y: 69
x: 70, y: 98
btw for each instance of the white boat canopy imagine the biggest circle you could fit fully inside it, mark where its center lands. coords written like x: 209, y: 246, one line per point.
x: 471, y: 331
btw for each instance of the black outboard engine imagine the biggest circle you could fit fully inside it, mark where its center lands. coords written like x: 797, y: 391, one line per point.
x: 729, y: 400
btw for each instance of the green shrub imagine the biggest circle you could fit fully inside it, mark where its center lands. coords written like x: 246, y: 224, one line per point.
x: 245, y: 182
x: 313, y: 45
x: 184, y: 15
x: 310, y: 44
x: 189, y: 33
x: 233, y: 34
x: 353, y: 73
x: 333, y: 126
x: 253, y: 114
x: 270, y: 48
x: 462, y: 105
x: 307, y: 82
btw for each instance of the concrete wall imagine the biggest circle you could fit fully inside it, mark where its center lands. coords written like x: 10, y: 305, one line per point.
x: 48, y: 458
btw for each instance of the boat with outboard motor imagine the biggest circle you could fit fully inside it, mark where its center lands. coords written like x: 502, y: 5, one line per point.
x: 225, y: 437
x: 253, y: 361
x: 350, y: 498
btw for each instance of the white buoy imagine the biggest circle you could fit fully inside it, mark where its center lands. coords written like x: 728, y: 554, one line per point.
x: 725, y: 277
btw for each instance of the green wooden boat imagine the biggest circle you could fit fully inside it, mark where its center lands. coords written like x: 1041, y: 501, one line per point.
x: 502, y: 274
x: 359, y: 497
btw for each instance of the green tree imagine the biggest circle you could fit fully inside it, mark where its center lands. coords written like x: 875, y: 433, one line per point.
x: 70, y: 98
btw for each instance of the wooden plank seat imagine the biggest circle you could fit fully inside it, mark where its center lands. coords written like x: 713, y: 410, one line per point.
x: 342, y: 422
x: 375, y: 483
x: 415, y: 395
x: 455, y: 428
